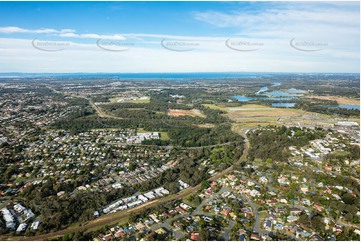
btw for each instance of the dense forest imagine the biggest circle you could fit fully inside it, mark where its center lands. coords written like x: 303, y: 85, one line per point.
x: 273, y: 142
x: 152, y: 116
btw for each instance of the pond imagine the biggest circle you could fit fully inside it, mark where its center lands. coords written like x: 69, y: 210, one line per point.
x: 276, y: 98
x: 242, y: 98
x: 297, y: 91
x: 262, y: 89
x: 280, y: 94
x: 346, y: 106
x: 272, y: 96
x: 283, y: 105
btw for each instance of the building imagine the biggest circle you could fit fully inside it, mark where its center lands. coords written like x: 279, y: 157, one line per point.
x: 35, y: 225
x: 346, y: 124
x: 9, y: 218
x: 267, y: 225
x: 195, y: 236
x: 304, y: 188
x: 255, y: 236
x: 292, y: 218
x: 21, y: 227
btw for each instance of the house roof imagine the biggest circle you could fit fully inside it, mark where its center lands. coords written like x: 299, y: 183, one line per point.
x: 195, y: 236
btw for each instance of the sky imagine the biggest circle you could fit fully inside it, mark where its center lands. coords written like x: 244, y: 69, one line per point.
x: 142, y: 37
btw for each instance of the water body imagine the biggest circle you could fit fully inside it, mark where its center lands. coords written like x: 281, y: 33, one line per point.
x: 272, y: 96
x: 277, y: 98
x: 242, y: 98
x: 276, y: 84
x: 346, y: 106
x: 283, y: 105
x: 280, y: 94
x: 262, y: 89
x: 297, y: 91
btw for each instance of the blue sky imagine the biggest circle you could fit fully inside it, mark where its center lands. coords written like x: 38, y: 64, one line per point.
x: 179, y: 36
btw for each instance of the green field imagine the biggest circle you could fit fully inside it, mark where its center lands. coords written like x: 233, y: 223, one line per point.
x: 164, y: 136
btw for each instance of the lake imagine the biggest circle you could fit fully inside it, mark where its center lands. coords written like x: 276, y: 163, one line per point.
x: 283, y: 105
x: 273, y: 96
x: 346, y: 106
x: 262, y: 89
x: 280, y: 94
x: 297, y: 91
x: 242, y: 98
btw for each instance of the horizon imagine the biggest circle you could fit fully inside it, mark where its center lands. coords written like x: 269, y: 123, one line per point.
x: 167, y: 75
x: 179, y: 37
x: 195, y: 72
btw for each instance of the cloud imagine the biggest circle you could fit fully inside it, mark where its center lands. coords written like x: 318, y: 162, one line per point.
x: 71, y: 33
x: 304, y: 18
x: 273, y: 26
x: 19, y: 55
x: 93, y: 36
x: 278, y: 23
x: 167, y: 36
x: 285, y: 13
x: 16, y: 30
x: 65, y: 33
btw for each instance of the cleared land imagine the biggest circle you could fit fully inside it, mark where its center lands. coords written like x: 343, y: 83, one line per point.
x: 253, y: 115
x: 213, y: 106
x: 252, y: 110
x: 132, y: 100
x: 180, y: 112
x: 339, y: 100
x: 206, y: 125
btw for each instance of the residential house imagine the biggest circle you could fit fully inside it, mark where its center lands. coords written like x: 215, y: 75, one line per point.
x: 195, y: 236
x: 255, y: 236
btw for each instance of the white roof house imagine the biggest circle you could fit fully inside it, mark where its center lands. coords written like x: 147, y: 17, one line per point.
x: 21, y: 227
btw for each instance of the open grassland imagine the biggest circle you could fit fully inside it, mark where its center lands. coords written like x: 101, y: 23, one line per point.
x: 251, y: 110
x: 213, y: 106
x: 241, y: 127
x: 180, y: 112
x: 206, y: 125
x: 339, y: 100
x: 164, y: 136
x: 252, y: 115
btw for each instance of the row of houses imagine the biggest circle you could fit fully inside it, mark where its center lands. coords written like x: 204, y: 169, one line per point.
x: 19, y: 214
x: 134, y: 200
x: 9, y: 218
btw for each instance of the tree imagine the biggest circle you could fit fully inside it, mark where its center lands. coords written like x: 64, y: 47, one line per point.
x: 204, y: 184
x: 268, y: 160
x: 204, y: 234
x: 348, y: 198
x: 173, y: 187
